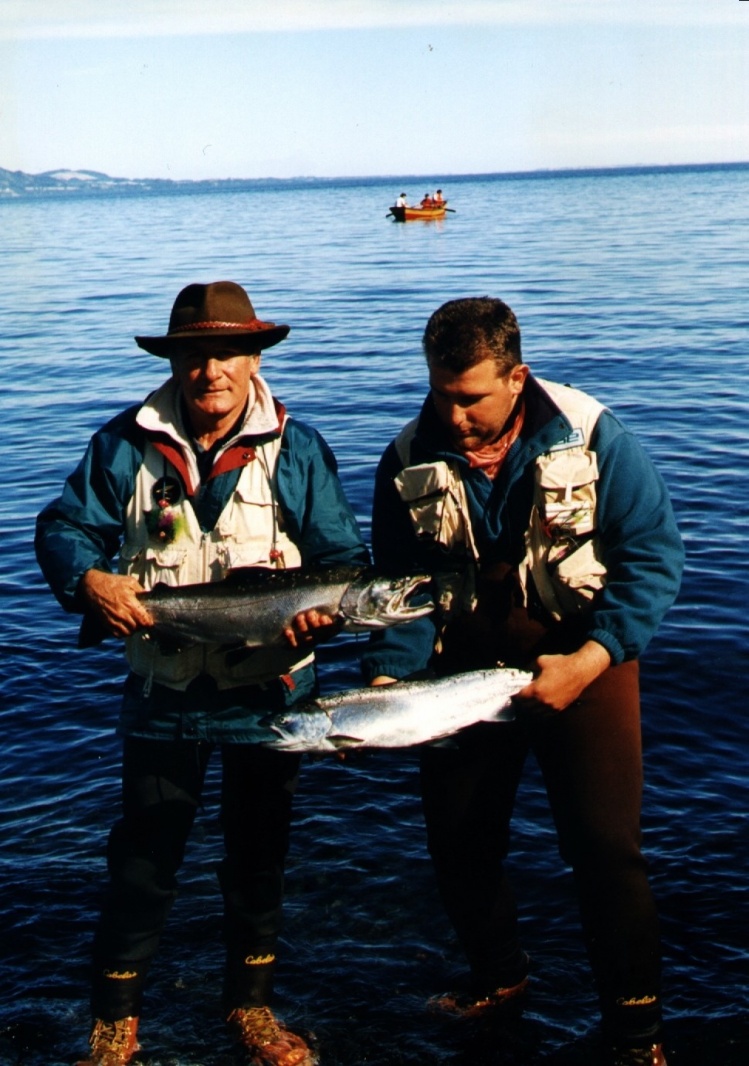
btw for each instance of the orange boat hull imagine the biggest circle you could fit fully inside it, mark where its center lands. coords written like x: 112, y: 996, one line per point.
x: 410, y: 214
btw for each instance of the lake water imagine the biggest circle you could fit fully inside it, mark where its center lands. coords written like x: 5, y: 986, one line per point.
x: 632, y: 285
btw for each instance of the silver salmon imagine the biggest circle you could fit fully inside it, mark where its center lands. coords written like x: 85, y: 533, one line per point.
x: 398, y: 715
x: 253, y: 605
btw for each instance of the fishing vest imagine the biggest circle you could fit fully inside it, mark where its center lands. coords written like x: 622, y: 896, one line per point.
x: 562, y: 546
x: 163, y: 542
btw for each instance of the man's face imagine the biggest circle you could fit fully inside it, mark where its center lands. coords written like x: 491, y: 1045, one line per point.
x: 215, y: 385
x: 474, y: 405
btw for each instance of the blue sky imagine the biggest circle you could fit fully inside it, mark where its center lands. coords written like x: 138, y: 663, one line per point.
x: 283, y: 88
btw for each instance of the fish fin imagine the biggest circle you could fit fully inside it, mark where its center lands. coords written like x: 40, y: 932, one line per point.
x: 240, y: 654
x: 92, y: 632
x: 154, y: 588
x: 340, y: 741
x: 508, y: 713
x: 261, y: 574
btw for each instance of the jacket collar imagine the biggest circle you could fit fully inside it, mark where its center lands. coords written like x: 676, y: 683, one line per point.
x: 161, y: 418
x: 161, y: 414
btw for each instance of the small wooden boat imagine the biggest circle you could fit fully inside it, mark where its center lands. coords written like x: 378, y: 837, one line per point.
x: 408, y: 214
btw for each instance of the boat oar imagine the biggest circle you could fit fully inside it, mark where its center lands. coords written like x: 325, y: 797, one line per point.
x: 451, y: 210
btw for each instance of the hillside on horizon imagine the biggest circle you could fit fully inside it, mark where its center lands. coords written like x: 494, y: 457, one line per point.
x: 16, y: 184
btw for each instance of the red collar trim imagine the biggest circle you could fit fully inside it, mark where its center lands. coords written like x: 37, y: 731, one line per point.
x: 173, y: 454
x: 239, y: 454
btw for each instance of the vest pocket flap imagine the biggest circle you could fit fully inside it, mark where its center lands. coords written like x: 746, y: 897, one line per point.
x: 167, y: 558
x: 151, y: 565
x: 572, y: 588
x: 417, y: 482
x: 582, y: 570
x: 436, y: 503
x: 567, y: 472
x: 241, y: 532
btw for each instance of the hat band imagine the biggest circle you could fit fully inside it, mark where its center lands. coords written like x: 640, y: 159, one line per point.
x: 250, y: 326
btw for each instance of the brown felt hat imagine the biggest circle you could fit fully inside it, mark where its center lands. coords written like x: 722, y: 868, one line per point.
x: 210, y: 314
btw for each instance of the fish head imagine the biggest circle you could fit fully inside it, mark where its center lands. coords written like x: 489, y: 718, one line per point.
x: 377, y: 602
x: 298, y: 729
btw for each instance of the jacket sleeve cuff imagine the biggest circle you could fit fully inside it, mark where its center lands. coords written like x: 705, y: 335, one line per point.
x: 372, y: 670
x: 610, y: 643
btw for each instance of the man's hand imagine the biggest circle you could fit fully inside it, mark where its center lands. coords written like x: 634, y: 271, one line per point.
x: 561, y: 678
x: 310, y: 628
x: 113, y: 599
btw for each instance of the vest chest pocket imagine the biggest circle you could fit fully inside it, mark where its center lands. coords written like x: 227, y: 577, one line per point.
x: 563, y: 549
x: 153, y: 565
x: 567, y: 495
x: 435, y: 503
x: 250, y: 529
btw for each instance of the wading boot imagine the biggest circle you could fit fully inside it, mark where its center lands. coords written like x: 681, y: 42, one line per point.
x: 505, y: 1001
x: 112, y: 1043
x: 639, y: 1056
x: 265, y: 1041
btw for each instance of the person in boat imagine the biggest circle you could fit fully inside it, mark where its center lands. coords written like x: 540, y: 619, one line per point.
x: 427, y: 200
x: 401, y: 201
x: 438, y: 198
x: 210, y: 472
x: 552, y: 537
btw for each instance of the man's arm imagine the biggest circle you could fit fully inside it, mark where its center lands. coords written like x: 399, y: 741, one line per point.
x: 643, y: 553
x: 79, y: 534
x: 82, y: 529
x: 640, y: 541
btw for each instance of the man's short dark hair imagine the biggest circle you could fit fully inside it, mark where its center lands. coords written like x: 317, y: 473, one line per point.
x: 464, y: 332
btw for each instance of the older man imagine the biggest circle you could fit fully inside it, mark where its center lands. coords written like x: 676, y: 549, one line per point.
x: 209, y: 473
x: 567, y: 554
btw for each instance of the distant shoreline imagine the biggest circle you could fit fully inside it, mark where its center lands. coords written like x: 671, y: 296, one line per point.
x: 16, y: 184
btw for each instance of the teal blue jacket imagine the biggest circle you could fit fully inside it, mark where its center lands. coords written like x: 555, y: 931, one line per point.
x: 641, y: 545
x: 83, y: 528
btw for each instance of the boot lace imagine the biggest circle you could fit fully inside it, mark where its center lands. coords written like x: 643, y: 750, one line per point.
x: 256, y: 1026
x: 113, y: 1043
x: 268, y: 1042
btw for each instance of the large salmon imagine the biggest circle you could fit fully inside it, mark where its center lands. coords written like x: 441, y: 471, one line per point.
x: 398, y: 715
x: 252, y: 605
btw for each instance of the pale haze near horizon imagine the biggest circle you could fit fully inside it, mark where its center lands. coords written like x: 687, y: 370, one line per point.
x: 188, y: 89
